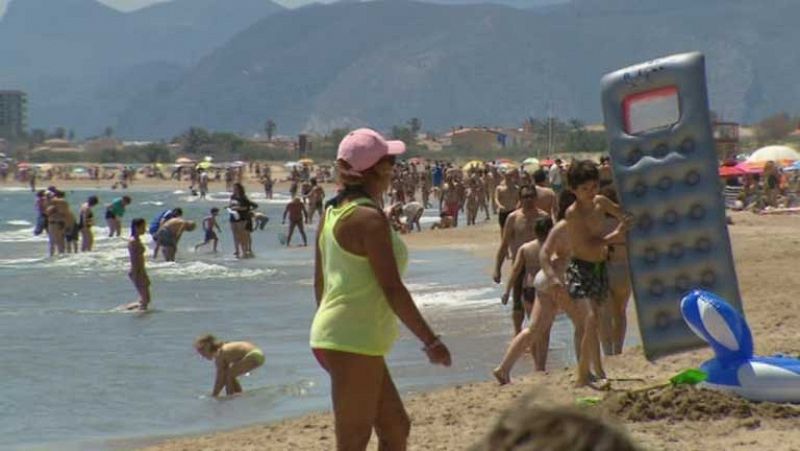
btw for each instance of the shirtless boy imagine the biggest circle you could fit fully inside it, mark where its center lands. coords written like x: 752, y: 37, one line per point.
x: 297, y: 213
x: 586, y: 276
x: 518, y: 230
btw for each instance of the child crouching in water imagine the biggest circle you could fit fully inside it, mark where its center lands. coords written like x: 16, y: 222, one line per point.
x: 232, y: 360
x: 137, y: 274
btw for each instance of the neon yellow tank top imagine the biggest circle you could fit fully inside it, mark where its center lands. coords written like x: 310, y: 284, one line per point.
x: 353, y: 315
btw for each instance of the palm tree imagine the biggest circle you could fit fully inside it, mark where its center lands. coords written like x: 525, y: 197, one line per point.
x: 269, y: 127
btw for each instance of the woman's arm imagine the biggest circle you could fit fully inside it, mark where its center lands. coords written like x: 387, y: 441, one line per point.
x: 219, y: 379
x: 319, y: 277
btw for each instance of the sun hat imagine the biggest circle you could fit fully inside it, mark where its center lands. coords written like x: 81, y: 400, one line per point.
x: 363, y: 148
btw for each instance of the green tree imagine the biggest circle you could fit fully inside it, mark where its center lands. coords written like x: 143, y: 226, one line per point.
x: 404, y: 134
x: 269, y: 128
x: 415, y: 124
x: 194, y: 139
x: 71, y: 135
x: 59, y: 133
x: 774, y: 128
x: 155, y: 153
x: 230, y: 142
x: 108, y: 132
x: 38, y: 136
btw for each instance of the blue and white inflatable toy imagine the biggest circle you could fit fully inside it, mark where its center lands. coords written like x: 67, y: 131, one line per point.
x: 735, y: 368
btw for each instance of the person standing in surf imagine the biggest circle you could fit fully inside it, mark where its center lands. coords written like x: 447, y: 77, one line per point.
x: 85, y: 222
x: 137, y: 273
x: 360, y: 295
x: 114, y: 212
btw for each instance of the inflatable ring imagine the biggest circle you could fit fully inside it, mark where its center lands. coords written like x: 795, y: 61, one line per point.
x: 735, y: 369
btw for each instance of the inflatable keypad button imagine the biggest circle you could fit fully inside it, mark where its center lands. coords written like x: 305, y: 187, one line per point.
x: 676, y: 250
x: 657, y: 288
x: 692, y: 178
x: 634, y: 156
x: 661, y: 151
x: 665, y: 183
x: 683, y: 283
x: 651, y: 255
x: 663, y: 320
x: 702, y: 245
x: 708, y: 278
x: 687, y: 146
x: 645, y: 222
x: 697, y: 212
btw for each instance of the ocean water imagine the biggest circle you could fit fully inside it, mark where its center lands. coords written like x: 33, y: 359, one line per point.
x: 78, y: 375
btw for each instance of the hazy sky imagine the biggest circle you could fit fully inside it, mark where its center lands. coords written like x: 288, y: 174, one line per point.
x: 127, y: 5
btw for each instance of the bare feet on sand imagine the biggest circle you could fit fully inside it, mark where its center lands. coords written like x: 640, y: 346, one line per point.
x: 502, y: 377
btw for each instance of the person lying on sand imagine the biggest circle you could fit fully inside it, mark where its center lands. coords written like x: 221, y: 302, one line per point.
x: 232, y: 360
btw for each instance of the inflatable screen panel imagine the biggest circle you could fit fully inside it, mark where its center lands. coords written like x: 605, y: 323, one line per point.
x: 665, y: 169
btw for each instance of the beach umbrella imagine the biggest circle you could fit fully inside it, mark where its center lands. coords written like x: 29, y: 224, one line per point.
x: 751, y: 168
x: 2, y: 155
x: 731, y: 171
x: 774, y: 153
x: 415, y: 160
x: 792, y: 167
x: 204, y: 164
x: 291, y: 164
x: 530, y: 164
x: 23, y: 165
x: 548, y: 162
x: 208, y: 158
x: 306, y: 161
x: 184, y: 160
x: 474, y: 164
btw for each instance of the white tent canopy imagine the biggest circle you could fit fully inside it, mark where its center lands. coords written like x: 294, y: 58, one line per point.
x: 774, y: 153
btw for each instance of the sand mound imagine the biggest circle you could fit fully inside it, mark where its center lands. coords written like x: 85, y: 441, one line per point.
x: 690, y: 403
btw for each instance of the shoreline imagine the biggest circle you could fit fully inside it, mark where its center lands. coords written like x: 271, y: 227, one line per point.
x: 457, y: 416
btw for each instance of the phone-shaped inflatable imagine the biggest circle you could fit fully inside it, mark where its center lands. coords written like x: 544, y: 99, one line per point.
x: 665, y: 168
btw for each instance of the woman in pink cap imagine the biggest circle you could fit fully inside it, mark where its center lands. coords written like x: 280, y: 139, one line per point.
x: 360, y: 295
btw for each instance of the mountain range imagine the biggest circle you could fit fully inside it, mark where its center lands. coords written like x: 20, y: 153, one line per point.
x: 159, y: 70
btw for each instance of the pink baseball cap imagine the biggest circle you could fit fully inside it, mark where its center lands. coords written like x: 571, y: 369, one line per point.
x: 363, y: 148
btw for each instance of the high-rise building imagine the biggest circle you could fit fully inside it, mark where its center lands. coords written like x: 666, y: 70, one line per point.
x: 13, y: 114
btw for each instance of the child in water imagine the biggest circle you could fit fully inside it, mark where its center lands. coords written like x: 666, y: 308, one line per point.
x: 232, y: 359
x: 209, y: 224
x: 137, y: 274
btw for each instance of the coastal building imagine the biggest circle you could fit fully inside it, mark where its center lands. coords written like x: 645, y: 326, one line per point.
x: 726, y: 139
x: 13, y: 114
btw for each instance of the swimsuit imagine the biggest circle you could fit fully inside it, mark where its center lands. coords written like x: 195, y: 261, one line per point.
x: 587, y: 280
x: 166, y: 238
x: 502, y: 216
x: 210, y: 235
x: 256, y: 355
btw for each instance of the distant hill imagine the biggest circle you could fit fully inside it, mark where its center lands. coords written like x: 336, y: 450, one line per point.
x: 381, y: 63
x: 81, y: 62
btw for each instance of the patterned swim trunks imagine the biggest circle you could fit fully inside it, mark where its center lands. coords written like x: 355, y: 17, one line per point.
x: 587, y: 280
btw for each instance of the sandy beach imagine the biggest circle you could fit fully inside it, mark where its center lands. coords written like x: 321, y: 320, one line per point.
x: 456, y: 417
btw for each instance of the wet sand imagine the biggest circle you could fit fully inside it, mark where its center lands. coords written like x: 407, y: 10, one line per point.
x: 456, y: 417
